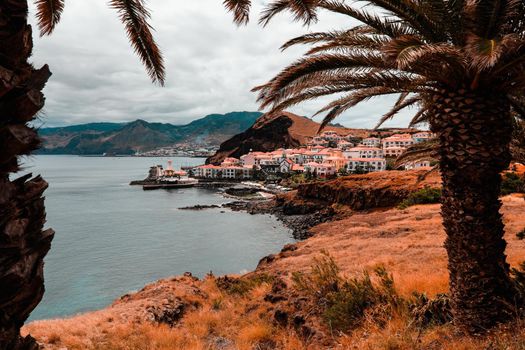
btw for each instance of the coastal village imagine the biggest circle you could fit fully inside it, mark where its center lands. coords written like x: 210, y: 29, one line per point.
x: 326, y: 155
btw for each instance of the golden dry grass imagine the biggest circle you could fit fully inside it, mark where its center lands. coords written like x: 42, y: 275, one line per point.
x: 408, y: 242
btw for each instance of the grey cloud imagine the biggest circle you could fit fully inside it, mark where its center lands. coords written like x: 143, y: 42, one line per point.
x: 211, y: 65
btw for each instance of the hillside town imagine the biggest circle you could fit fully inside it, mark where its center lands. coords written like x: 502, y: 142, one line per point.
x: 324, y: 156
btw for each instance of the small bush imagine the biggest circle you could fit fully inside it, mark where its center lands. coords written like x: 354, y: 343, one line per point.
x: 430, y: 312
x: 345, y: 302
x: 241, y: 286
x: 427, y: 195
x: 512, y: 183
x: 216, y: 304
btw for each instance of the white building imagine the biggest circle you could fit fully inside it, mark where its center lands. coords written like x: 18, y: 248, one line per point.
x: 394, y: 151
x: 398, y: 140
x: 223, y: 172
x: 320, y: 169
x: 286, y: 166
x: 363, y: 152
x: 417, y: 165
x: 422, y: 136
x: 344, y: 145
x: 366, y: 164
x: 371, y: 142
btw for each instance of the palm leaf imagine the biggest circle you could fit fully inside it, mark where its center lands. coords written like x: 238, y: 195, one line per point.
x: 135, y: 16
x: 302, y: 10
x: 413, y: 14
x: 420, y: 117
x: 48, y: 14
x: 386, y: 26
x: 240, y: 10
x: 419, y: 152
x: 346, y: 102
x: 397, y: 108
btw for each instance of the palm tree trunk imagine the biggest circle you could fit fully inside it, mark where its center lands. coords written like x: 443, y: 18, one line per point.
x: 23, y: 243
x: 474, y: 130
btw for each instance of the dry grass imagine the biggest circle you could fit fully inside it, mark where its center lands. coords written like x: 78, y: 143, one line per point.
x: 237, y: 323
x: 408, y: 242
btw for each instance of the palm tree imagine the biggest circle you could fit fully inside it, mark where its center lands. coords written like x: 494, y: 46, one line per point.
x: 461, y: 64
x: 23, y: 242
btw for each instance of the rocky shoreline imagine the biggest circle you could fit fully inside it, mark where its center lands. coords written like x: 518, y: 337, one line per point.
x: 299, y: 218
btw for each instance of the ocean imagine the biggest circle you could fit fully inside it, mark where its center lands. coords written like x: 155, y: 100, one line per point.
x: 112, y: 238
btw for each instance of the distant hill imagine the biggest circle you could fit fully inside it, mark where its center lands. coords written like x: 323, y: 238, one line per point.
x: 128, y: 138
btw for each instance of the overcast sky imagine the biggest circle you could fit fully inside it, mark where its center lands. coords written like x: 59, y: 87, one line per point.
x: 211, y: 65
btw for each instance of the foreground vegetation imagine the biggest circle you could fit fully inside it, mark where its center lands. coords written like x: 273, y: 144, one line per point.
x: 364, y: 311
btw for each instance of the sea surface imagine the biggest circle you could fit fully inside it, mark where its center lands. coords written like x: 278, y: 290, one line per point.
x: 112, y: 238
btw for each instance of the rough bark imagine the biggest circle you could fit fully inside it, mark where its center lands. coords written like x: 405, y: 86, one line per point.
x: 474, y: 131
x: 23, y: 242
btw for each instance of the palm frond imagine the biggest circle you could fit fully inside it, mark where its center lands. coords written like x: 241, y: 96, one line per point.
x: 397, y: 108
x: 309, y: 65
x: 487, y: 17
x: 48, y: 14
x: 240, y: 10
x: 487, y: 53
x: 302, y: 10
x: 409, y: 53
x: 346, y: 102
x: 382, y: 25
x: 421, y: 116
x: 314, y: 38
x: 413, y: 15
x: 418, y: 152
x: 135, y: 16
x: 309, y: 94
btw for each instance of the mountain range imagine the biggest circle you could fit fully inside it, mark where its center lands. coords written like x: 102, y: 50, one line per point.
x: 139, y: 135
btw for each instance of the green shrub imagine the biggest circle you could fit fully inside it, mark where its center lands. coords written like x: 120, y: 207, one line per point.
x: 346, y: 301
x: 512, y: 183
x: 241, y: 286
x: 427, y: 195
x: 216, y: 304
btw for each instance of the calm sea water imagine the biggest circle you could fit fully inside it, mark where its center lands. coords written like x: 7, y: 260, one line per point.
x: 112, y: 238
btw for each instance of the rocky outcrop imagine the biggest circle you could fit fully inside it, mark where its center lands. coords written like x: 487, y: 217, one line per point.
x: 367, y: 191
x: 267, y: 137
x: 267, y: 134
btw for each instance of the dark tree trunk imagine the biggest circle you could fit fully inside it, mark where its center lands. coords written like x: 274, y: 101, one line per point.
x: 23, y: 243
x: 474, y: 131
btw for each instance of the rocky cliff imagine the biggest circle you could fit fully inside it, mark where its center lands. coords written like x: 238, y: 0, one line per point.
x: 267, y: 134
x: 368, y: 191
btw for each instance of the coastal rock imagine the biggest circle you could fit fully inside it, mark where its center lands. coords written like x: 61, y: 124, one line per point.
x: 240, y: 191
x: 168, y: 312
x: 200, y: 207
